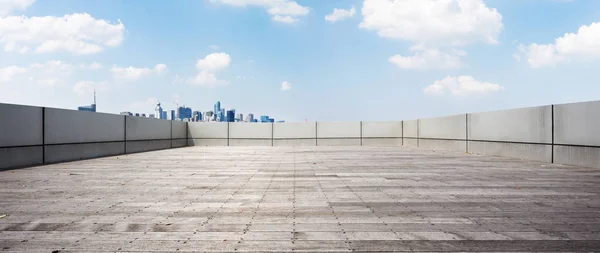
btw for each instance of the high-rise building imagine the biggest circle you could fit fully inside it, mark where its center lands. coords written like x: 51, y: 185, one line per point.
x: 196, y: 116
x: 250, y: 117
x: 230, y: 115
x: 217, y: 109
x: 208, y: 116
x: 89, y: 108
x: 137, y: 114
x: 184, y: 113
x: 239, y: 117
x: 222, y: 115
x: 172, y: 115
x: 159, y: 111
x: 163, y: 115
x: 264, y: 118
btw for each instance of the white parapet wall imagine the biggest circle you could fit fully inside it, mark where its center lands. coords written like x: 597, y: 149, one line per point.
x: 75, y: 135
x: 410, y: 133
x: 40, y: 135
x: 381, y: 133
x: 295, y: 134
x: 524, y: 133
x: 208, y: 133
x: 21, y: 136
x: 449, y: 132
x: 250, y: 134
x: 577, y: 134
x: 339, y: 133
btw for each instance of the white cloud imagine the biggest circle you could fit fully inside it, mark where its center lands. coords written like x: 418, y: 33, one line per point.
x: 429, y: 59
x: 7, y: 6
x: 77, y: 33
x: 461, y: 86
x: 433, y: 22
x: 132, y: 73
x: 285, y: 86
x: 95, y: 65
x: 214, y: 62
x: 285, y: 11
x: 340, y: 14
x: 581, y: 46
x: 83, y: 88
x: 8, y: 73
x: 207, y: 79
x: 285, y: 19
x: 207, y: 67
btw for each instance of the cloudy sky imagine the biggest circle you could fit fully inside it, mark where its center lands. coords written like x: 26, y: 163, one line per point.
x: 301, y: 60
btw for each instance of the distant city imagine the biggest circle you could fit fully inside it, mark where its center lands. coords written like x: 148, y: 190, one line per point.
x: 218, y: 114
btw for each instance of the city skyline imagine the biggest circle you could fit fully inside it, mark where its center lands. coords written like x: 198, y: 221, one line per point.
x: 300, y: 60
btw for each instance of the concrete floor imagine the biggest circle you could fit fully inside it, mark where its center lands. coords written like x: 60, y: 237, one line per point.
x: 312, y: 199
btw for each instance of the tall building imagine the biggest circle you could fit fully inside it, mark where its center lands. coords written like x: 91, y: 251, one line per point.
x: 89, y: 108
x: 239, y: 117
x: 137, y: 114
x: 184, y: 113
x: 264, y: 118
x: 172, y: 115
x: 208, y: 116
x: 159, y: 111
x: 230, y: 115
x: 163, y: 115
x: 222, y: 115
x: 196, y: 116
x: 217, y: 109
x: 250, y: 117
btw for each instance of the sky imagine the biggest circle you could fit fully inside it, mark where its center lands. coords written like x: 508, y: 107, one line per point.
x: 302, y: 60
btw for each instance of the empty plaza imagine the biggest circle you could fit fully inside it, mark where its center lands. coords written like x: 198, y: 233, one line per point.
x: 300, y: 199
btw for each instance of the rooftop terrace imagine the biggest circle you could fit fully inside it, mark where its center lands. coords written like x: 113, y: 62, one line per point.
x: 300, y: 199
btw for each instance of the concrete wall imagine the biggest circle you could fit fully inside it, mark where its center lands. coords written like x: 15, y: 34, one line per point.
x: 448, y: 132
x: 339, y: 133
x: 208, y: 133
x: 75, y: 135
x: 524, y: 133
x: 295, y: 134
x: 39, y: 135
x: 410, y: 133
x: 577, y: 134
x: 21, y: 136
x: 382, y: 133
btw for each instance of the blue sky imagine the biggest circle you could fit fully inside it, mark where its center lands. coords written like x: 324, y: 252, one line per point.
x: 383, y: 60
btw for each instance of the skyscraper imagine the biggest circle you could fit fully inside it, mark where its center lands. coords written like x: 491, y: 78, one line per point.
x: 163, y: 115
x: 217, y: 109
x: 250, y: 117
x: 89, y: 108
x: 208, y: 116
x: 222, y: 115
x: 239, y: 117
x: 184, y: 113
x: 172, y: 114
x: 196, y: 116
x: 264, y: 118
x: 230, y: 115
x: 159, y: 111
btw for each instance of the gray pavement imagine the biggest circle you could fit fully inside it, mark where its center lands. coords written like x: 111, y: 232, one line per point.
x: 309, y: 199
